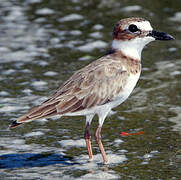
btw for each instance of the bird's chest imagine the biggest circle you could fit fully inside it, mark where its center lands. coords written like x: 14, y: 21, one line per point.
x: 126, y: 89
x: 129, y: 85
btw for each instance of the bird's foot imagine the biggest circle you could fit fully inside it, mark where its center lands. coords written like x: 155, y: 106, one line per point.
x: 90, y: 160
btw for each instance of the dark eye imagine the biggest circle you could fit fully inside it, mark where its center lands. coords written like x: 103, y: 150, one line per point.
x: 133, y: 28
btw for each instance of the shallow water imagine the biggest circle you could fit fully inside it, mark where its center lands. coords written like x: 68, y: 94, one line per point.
x: 42, y: 43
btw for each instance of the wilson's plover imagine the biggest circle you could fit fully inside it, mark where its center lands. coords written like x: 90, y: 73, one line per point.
x: 103, y: 84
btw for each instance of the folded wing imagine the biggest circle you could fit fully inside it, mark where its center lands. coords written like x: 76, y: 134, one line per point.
x: 94, y: 85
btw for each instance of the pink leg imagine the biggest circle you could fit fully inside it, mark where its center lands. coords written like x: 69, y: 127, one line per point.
x: 88, y: 142
x: 99, y: 142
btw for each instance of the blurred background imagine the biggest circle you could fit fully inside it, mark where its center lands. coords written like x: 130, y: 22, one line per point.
x: 42, y: 43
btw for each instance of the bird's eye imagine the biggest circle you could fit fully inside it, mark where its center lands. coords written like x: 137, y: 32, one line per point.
x: 133, y: 28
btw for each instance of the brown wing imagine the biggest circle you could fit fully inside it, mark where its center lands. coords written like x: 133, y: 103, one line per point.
x: 95, y: 84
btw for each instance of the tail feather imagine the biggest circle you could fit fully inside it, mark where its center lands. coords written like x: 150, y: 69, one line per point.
x: 15, y: 124
x: 26, y: 118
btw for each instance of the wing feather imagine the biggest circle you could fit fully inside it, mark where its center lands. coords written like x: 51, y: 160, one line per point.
x: 94, y: 85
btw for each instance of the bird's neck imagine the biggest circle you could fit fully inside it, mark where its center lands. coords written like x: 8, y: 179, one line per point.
x: 130, y: 48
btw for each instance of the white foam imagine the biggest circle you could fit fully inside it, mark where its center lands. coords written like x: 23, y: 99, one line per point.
x: 176, y: 118
x: 117, y: 142
x: 42, y: 121
x: 131, y: 8
x: 175, y: 73
x: 100, y: 175
x: 10, y: 108
x: 155, y: 152
x: 50, y: 73
x: 8, y: 72
x: 123, y: 151
x: 144, y: 162
x: 12, y: 145
x: 92, y: 45
x: 71, y: 17
x: 75, y: 32
x: 27, y: 91
x: 16, y: 56
x: 37, y: 133
x: 41, y: 63
x: 97, y: 159
x: 39, y: 83
x: 94, y: 165
x: 25, y: 71
x: 96, y: 35
x: 72, y: 143
x: 85, y: 58
x: 15, y: 144
x: 172, y: 49
x: 114, y: 158
x: 54, y: 41
x: 15, y: 13
x: 4, y: 49
x: 44, y: 11
x: 34, y: 1
x: 176, y: 17
x: 18, y: 141
x: 4, y: 93
x: 148, y: 156
x: 36, y: 101
x: 98, y: 27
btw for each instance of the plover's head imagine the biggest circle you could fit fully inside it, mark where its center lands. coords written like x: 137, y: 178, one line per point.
x: 130, y: 35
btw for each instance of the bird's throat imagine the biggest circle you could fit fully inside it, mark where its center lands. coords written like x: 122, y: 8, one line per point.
x: 128, y: 48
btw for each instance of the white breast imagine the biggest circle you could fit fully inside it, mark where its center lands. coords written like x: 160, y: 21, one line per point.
x: 127, y: 89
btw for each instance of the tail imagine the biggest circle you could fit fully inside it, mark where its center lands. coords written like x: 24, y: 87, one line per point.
x: 14, y: 124
x: 39, y: 112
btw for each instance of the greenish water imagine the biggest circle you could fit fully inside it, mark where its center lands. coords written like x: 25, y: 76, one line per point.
x: 41, y: 44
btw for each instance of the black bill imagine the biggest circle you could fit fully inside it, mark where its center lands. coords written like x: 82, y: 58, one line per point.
x: 160, y: 35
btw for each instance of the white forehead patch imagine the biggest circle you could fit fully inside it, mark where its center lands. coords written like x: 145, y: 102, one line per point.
x: 143, y: 25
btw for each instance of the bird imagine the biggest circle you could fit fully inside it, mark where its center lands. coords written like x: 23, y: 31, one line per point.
x: 103, y: 84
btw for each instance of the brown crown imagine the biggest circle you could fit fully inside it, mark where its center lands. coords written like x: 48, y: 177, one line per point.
x: 119, y: 31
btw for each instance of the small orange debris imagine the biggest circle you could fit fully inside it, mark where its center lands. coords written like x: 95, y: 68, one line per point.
x: 128, y: 134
